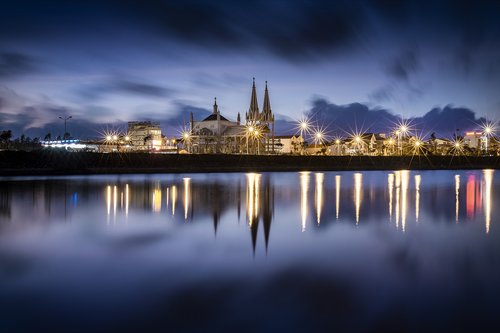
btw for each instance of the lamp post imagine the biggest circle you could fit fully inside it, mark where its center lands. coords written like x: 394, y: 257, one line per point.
x: 249, y: 132
x: 187, y: 138
x: 65, y: 119
x: 401, y: 132
x: 256, y: 134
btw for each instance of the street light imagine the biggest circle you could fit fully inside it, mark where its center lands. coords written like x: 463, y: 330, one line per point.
x: 256, y: 134
x: 65, y: 119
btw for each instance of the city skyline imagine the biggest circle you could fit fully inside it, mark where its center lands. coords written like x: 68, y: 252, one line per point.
x: 352, y: 64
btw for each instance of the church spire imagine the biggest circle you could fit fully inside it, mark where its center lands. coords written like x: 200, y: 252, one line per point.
x: 267, y: 113
x: 216, y: 107
x: 253, y: 112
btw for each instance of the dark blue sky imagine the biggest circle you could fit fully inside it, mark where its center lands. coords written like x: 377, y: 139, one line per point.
x: 108, y: 62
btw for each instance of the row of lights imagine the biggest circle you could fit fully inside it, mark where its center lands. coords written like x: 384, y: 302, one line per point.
x: 402, y: 130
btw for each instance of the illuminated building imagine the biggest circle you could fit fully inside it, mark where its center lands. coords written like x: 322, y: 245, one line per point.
x: 217, y: 134
x: 144, y: 135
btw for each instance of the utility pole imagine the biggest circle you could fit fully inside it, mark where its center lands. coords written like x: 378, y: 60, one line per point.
x: 65, y: 120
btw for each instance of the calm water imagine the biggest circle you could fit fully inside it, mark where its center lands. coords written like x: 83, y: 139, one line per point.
x: 369, y: 251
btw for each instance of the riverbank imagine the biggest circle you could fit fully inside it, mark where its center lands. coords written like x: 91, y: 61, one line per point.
x: 53, y: 162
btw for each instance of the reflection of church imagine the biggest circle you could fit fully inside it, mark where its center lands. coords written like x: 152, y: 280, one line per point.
x: 217, y: 134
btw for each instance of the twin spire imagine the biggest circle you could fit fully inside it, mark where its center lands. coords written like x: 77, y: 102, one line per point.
x: 254, y: 114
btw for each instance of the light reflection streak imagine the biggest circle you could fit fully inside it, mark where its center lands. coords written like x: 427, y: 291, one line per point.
x: 253, y: 197
x: 390, y: 184
x: 174, y: 198
x: 358, y: 183
x: 167, y: 199
x: 470, y: 195
x: 337, y: 196
x: 127, y: 199
x: 418, y: 179
x: 488, y: 180
x: 405, y: 179
x: 319, y: 195
x: 398, y: 192
x: 115, y: 200
x: 157, y: 199
x: 457, y: 192
x: 108, y: 199
x: 304, y: 188
x: 187, y: 196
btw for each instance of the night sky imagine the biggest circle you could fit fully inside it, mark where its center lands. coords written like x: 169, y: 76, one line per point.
x: 348, y: 64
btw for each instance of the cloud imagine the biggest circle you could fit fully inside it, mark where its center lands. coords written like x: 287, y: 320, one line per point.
x: 344, y: 119
x: 15, y: 64
x: 123, y: 86
x: 403, y: 66
x: 383, y: 94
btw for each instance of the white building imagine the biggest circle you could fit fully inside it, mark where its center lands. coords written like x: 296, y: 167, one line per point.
x: 144, y: 135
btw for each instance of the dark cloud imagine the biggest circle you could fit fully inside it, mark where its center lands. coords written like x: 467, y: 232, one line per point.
x: 123, y: 86
x: 448, y: 119
x: 292, y: 30
x: 382, y: 94
x: 15, y: 64
x: 343, y: 119
x: 403, y: 66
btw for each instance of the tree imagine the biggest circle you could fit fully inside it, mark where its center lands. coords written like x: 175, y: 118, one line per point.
x: 5, y: 136
x: 47, y: 137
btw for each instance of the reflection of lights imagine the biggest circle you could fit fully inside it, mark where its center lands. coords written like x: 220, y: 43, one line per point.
x: 187, y: 196
x: 358, y: 183
x: 127, y: 198
x: 404, y: 191
x: 398, y: 192
x: 108, y: 199
x: 337, y: 196
x: 418, y: 179
x: 115, y: 199
x: 470, y: 197
x: 488, y: 179
x: 157, y: 199
x: 174, y: 198
x: 319, y: 195
x: 390, y: 183
x: 304, y: 188
x: 457, y: 191
x: 253, y: 192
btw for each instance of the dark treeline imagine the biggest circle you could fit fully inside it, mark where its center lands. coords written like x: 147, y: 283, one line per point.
x: 62, y: 162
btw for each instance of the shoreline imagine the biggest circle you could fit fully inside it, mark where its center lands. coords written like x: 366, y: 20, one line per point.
x: 46, y: 162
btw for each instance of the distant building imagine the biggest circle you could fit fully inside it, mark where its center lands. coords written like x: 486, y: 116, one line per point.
x: 144, y: 135
x: 218, y: 134
x: 288, y: 144
x: 215, y: 134
x: 472, y: 139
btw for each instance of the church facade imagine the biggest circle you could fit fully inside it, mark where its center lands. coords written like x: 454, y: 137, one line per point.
x: 217, y: 134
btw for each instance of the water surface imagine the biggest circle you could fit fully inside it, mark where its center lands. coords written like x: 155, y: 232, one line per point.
x: 355, y: 251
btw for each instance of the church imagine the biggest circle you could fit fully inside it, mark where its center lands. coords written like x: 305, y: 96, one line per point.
x: 217, y: 134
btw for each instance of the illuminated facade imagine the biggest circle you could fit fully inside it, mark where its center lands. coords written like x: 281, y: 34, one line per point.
x: 260, y: 124
x: 144, y: 135
x: 215, y: 134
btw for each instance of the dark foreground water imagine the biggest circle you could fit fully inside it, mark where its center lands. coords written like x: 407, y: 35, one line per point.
x: 370, y: 251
